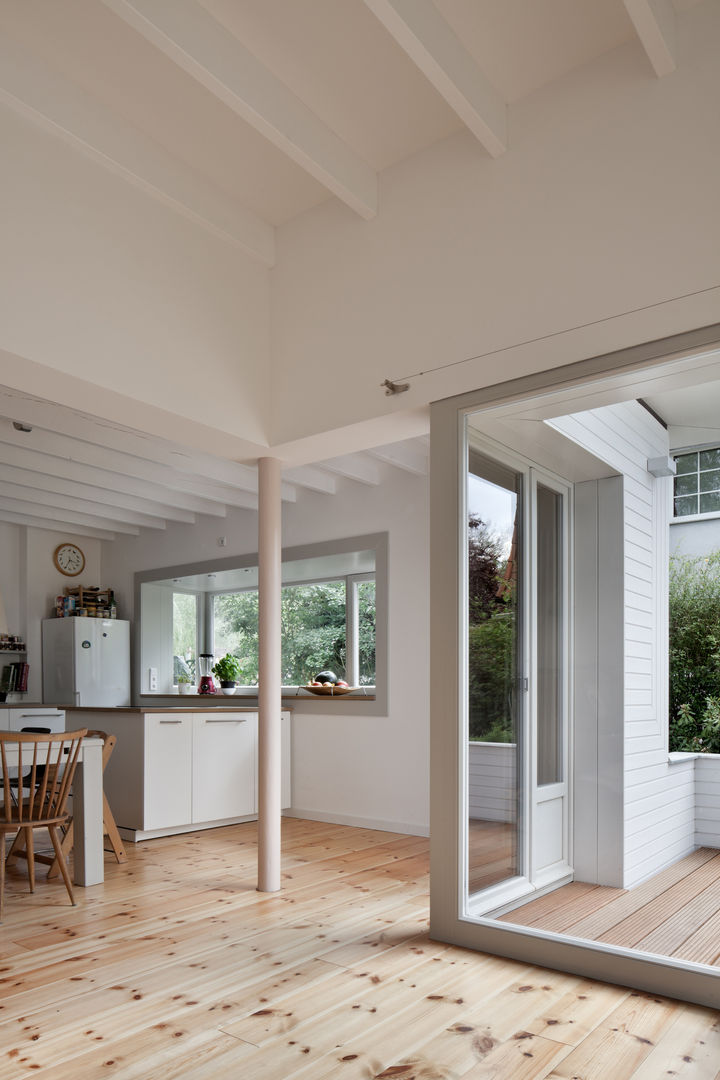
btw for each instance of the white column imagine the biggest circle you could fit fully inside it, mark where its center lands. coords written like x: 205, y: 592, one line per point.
x: 269, y: 689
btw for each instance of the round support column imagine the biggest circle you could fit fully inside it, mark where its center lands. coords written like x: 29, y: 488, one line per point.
x: 270, y: 685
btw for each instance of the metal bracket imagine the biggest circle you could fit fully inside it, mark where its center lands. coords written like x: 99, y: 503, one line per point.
x: 394, y: 388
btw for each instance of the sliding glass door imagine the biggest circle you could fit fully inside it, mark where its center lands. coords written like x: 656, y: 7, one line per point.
x: 516, y: 661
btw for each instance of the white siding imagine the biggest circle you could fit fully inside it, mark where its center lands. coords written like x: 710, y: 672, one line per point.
x: 492, y: 781
x: 707, y: 800
x: 659, y: 798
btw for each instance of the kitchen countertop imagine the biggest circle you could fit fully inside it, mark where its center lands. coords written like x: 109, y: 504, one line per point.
x: 156, y: 709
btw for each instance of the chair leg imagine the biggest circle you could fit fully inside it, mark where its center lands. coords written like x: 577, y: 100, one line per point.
x: 15, y: 848
x: 2, y: 875
x: 67, y: 845
x: 30, y: 849
x: 52, y: 829
x: 112, y: 833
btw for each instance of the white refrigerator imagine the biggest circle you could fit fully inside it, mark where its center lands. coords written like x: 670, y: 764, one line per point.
x: 86, y: 661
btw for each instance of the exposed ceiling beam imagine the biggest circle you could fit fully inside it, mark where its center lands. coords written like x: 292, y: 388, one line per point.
x: 64, y: 109
x: 654, y: 22
x: 311, y: 477
x: 66, y: 518
x: 405, y: 456
x: 75, y: 450
x: 358, y: 467
x: 422, y: 32
x: 65, y: 503
x: 148, y: 509
x: 36, y: 412
x: 54, y: 525
x: 193, y: 39
x: 49, y: 465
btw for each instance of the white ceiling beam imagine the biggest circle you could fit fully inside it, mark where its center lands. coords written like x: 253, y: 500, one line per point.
x: 358, y: 467
x: 309, y: 476
x: 65, y: 110
x: 65, y: 503
x: 36, y: 412
x: 52, y: 524
x: 65, y: 518
x: 422, y: 32
x: 41, y: 483
x: 654, y: 22
x: 413, y: 459
x: 49, y: 465
x: 114, y: 461
x: 196, y: 42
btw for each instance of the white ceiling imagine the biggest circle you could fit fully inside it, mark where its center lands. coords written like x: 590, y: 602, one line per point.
x: 242, y: 114
x: 348, y: 87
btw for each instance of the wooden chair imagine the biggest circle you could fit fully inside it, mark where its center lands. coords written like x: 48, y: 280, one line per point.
x: 110, y: 829
x: 51, y: 760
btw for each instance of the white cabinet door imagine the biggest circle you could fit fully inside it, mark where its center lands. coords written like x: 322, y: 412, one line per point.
x: 168, y: 770
x: 54, y: 719
x: 224, y: 746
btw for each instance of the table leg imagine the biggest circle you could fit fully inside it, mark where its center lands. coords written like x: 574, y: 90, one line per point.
x: 88, y: 816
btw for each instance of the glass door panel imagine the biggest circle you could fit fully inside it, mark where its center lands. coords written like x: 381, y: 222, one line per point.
x: 494, y: 723
x: 550, y: 635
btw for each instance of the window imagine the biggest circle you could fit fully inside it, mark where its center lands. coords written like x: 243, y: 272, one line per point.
x: 325, y: 624
x: 696, y: 485
x: 184, y: 632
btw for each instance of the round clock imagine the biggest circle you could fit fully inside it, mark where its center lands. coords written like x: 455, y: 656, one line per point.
x: 69, y: 559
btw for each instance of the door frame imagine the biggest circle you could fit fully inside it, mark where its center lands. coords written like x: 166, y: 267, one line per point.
x: 448, y: 921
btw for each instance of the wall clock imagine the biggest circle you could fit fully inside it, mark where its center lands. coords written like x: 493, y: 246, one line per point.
x: 69, y: 559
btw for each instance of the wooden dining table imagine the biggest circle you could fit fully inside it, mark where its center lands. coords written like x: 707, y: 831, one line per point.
x: 87, y: 811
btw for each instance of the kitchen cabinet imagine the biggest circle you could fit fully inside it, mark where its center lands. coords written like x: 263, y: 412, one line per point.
x: 177, y: 770
x: 41, y: 717
x: 223, y: 765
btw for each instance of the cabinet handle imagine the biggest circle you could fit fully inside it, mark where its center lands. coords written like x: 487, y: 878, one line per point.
x: 40, y: 715
x: 227, y: 720
x: 171, y: 721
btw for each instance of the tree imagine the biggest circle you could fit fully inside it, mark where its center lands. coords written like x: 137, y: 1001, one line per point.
x: 484, y: 571
x: 695, y: 653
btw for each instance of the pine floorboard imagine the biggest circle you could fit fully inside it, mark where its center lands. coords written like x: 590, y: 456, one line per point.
x: 177, y: 969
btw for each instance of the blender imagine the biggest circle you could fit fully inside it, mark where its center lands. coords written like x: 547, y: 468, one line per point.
x: 205, y: 662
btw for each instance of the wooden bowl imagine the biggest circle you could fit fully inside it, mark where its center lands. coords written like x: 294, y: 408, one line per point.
x: 329, y: 690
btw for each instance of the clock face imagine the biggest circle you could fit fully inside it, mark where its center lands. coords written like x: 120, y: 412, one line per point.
x: 69, y: 559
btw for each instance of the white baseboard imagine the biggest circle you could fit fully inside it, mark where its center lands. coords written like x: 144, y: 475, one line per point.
x: 359, y: 822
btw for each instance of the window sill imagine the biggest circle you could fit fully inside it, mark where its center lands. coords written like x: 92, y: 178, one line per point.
x: 713, y: 515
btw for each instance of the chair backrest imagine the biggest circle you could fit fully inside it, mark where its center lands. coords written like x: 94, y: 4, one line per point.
x: 51, y: 759
x: 108, y: 744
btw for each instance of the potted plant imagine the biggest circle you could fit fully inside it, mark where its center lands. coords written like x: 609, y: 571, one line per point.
x: 228, y: 670
x: 185, y: 683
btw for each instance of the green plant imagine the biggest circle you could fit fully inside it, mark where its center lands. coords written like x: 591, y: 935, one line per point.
x: 695, y: 653
x: 228, y: 668
x: 184, y: 678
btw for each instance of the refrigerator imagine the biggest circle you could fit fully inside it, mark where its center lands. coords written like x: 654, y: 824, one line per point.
x: 86, y: 661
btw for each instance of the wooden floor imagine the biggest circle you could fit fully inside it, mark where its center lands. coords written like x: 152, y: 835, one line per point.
x: 177, y: 967
x: 675, y: 913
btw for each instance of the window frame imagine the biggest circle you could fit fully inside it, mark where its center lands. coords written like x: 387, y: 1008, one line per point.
x: 706, y: 515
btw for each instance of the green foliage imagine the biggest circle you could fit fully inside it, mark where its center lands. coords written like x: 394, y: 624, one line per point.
x: 695, y: 653
x: 491, y: 666
x: 228, y: 668
x: 313, y: 631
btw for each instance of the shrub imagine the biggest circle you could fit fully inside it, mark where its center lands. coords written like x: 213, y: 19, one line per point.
x: 491, y: 669
x: 695, y: 653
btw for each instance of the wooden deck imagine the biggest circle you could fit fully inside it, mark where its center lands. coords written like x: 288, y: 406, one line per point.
x: 675, y: 913
x: 177, y: 968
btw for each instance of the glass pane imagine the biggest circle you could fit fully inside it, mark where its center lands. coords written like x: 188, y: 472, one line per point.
x: 710, y: 481
x: 550, y: 704
x: 684, y: 507
x: 235, y: 631
x: 184, y: 637
x: 710, y: 459
x: 710, y: 502
x: 686, y: 463
x: 366, y: 633
x: 313, y: 631
x: 686, y: 485
x: 494, y: 579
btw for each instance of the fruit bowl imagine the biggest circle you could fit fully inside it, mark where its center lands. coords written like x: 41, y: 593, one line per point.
x: 329, y: 690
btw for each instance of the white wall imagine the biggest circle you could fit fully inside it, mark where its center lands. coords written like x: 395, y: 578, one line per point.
x: 357, y: 769
x: 695, y: 537
x: 658, y: 808
x: 605, y: 202
x: 707, y: 800
x: 101, y: 282
x: 29, y: 583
